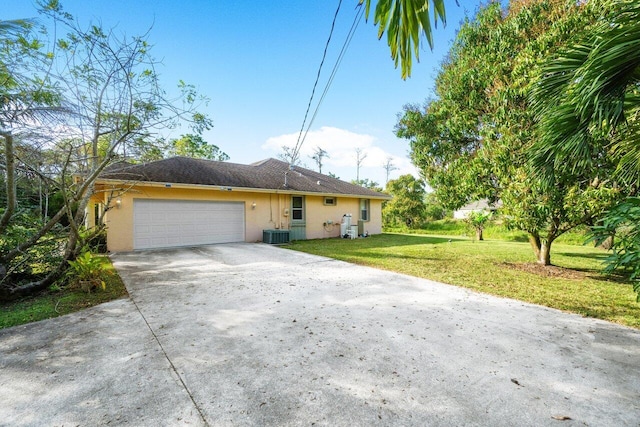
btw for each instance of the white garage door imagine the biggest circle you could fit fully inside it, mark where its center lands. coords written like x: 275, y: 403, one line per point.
x: 168, y: 223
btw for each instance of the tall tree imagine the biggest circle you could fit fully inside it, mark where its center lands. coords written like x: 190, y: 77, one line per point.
x: 195, y: 146
x: 360, y: 156
x: 83, y: 99
x: 407, y: 206
x: 474, y: 140
x: 388, y: 168
x: 588, y: 103
x: 318, y: 155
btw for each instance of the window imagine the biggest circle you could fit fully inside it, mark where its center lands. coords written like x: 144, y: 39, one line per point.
x: 297, y: 208
x: 330, y: 201
x: 364, y: 209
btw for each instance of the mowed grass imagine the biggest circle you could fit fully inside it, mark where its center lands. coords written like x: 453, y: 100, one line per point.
x: 496, y: 267
x: 54, y: 303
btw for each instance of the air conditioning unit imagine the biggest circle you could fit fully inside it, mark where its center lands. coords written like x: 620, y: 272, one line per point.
x: 275, y: 237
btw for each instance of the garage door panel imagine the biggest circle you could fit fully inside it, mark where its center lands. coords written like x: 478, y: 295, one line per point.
x: 169, y: 223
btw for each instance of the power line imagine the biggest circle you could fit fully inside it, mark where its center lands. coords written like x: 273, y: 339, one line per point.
x: 324, y: 55
x: 345, y: 45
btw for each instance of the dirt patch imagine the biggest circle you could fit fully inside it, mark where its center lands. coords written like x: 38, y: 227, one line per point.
x: 545, y: 270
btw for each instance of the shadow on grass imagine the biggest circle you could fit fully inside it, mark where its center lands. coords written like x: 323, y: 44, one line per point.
x: 596, y: 256
x: 386, y: 240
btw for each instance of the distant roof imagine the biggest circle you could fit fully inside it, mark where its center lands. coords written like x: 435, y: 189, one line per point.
x: 481, y: 204
x: 269, y: 174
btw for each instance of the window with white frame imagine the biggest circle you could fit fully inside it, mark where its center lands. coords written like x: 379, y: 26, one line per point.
x: 297, y: 208
x: 364, y: 209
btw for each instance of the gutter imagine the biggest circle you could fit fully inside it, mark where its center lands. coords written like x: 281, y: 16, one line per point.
x: 227, y: 188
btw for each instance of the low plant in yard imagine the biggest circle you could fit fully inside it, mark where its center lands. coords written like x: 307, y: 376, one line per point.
x: 503, y: 268
x: 62, y: 298
x: 88, y: 272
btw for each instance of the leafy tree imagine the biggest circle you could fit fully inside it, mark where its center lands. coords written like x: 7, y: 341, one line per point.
x: 74, y: 108
x: 366, y: 183
x: 407, y: 206
x: 588, y: 103
x: 622, y: 221
x: 194, y: 146
x: 405, y: 21
x: 474, y: 140
x: 478, y: 220
x: 434, y: 210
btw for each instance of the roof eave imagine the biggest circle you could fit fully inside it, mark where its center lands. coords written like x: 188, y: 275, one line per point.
x: 284, y: 190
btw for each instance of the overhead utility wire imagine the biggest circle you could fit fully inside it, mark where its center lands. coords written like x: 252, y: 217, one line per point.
x: 324, y: 55
x: 345, y: 46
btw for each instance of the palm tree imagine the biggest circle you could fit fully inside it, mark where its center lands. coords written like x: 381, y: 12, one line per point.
x: 404, y: 21
x: 588, y: 104
x: 588, y: 99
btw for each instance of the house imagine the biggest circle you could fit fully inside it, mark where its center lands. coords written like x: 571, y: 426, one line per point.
x: 185, y: 202
x: 477, y: 206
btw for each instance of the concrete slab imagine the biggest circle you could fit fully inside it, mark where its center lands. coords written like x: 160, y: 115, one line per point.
x: 249, y: 334
x: 101, y: 366
x: 265, y: 336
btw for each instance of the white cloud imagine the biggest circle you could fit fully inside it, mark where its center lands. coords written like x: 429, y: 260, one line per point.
x: 341, y: 145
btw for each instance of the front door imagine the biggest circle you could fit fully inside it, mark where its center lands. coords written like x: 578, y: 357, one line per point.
x: 298, y: 219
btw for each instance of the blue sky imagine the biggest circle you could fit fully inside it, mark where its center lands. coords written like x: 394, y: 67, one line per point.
x: 257, y: 62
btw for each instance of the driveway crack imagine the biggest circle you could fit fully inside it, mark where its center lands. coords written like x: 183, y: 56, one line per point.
x: 173, y: 367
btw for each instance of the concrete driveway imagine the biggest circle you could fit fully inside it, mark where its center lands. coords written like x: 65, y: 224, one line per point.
x: 254, y: 335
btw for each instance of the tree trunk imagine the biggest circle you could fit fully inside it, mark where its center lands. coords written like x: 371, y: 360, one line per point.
x: 544, y: 256
x: 10, y: 182
x: 479, y: 233
x: 536, y: 244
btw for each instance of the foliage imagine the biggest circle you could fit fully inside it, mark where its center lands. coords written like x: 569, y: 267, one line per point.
x: 434, y: 210
x: 478, y: 220
x: 60, y: 300
x: 404, y: 21
x: 70, y: 106
x: 474, y: 141
x: 196, y: 147
x: 407, y: 206
x: 498, y: 268
x: 623, y: 222
x: 366, y: 183
x: 88, y: 271
x: 588, y: 101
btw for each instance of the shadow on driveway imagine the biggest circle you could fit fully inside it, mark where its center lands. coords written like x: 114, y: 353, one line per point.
x: 249, y: 334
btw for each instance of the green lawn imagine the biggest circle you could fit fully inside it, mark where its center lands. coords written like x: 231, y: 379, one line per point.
x: 54, y: 303
x: 497, y: 267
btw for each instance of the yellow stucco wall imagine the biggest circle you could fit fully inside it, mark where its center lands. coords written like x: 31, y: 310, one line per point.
x: 271, y: 211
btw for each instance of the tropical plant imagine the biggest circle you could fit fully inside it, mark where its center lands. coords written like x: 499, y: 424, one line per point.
x: 88, y: 272
x: 588, y: 97
x: 622, y: 222
x: 405, y: 21
x: 473, y: 141
x: 478, y: 220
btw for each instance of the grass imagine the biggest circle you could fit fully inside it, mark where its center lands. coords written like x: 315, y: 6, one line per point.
x: 56, y: 302
x: 496, y: 267
x: 493, y: 230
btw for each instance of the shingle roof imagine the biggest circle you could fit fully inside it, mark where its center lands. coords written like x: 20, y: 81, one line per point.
x: 269, y: 174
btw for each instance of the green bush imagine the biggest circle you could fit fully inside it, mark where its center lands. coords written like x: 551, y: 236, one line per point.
x: 88, y: 272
